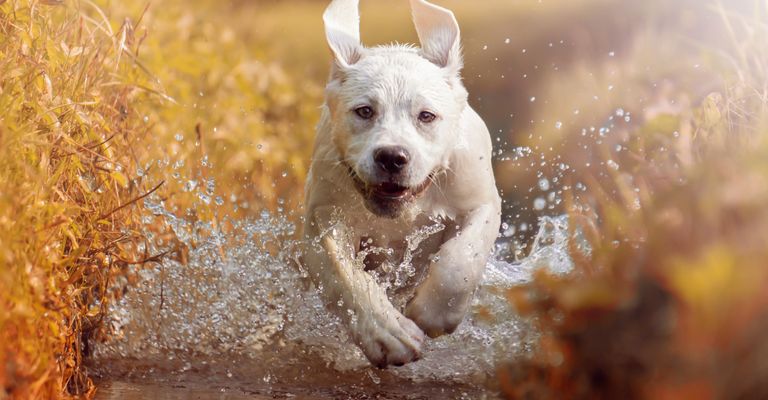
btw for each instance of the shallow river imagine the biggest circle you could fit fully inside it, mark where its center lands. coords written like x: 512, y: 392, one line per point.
x: 239, y: 321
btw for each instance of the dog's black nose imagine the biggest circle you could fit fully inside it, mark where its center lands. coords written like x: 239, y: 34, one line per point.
x: 391, y: 159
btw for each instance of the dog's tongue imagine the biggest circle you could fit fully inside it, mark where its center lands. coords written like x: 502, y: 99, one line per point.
x: 391, y: 190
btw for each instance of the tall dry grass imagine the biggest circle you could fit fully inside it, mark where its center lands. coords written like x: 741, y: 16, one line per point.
x: 240, y: 126
x: 671, y: 301
x: 67, y: 226
x: 102, y: 105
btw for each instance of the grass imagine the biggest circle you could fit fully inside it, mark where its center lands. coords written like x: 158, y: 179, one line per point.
x: 88, y: 126
x: 66, y: 227
x: 671, y: 302
x: 235, y: 109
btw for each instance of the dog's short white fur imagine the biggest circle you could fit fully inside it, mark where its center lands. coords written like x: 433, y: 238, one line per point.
x: 398, y: 147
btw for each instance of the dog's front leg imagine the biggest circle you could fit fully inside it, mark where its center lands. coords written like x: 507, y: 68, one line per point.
x: 385, y: 335
x: 442, y: 299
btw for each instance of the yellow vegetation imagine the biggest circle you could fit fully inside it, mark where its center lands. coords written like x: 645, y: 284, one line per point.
x: 671, y: 303
x: 66, y: 124
x: 88, y: 123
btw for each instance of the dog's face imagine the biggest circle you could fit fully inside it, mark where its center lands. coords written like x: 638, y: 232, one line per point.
x: 394, y: 109
x: 395, y: 117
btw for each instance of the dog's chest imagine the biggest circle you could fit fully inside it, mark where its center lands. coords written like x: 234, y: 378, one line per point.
x: 400, y: 241
x: 393, y: 232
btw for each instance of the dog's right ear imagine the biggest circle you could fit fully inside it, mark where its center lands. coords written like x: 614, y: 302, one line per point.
x: 439, y: 35
x: 342, y: 30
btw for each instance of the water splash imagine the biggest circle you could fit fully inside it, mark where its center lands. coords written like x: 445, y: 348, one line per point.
x: 239, y: 292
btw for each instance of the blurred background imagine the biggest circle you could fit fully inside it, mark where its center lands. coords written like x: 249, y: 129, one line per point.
x: 540, y: 72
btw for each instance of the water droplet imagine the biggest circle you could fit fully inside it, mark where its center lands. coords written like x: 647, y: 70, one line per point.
x: 539, y: 203
x: 374, y: 378
x: 544, y: 184
x: 558, y: 125
x: 179, y: 137
x: 508, y: 230
x: 532, y: 99
x: 190, y: 185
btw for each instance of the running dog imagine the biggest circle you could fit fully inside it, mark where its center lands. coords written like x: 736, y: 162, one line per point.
x: 397, y: 148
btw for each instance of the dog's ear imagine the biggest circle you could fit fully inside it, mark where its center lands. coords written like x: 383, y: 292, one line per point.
x: 342, y: 30
x: 439, y: 34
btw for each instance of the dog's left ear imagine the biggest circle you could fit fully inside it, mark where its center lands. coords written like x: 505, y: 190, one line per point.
x: 439, y: 35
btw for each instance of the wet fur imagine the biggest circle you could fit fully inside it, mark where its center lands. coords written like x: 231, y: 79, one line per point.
x: 452, y: 155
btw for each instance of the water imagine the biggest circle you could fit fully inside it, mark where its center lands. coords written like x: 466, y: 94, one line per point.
x: 240, y: 318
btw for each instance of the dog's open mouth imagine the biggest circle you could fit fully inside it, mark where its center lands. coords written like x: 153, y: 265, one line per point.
x: 388, y: 191
x: 394, y: 191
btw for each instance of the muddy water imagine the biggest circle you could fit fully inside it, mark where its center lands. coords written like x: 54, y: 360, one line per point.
x: 239, y: 320
x: 301, y: 377
x: 293, y: 375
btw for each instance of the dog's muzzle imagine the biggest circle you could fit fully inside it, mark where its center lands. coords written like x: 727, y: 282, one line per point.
x: 387, y: 199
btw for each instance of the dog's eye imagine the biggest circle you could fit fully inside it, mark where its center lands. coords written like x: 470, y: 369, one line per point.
x: 364, y: 112
x: 426, y: 117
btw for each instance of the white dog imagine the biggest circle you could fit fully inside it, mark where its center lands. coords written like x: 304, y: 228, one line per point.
x: 398, y: 148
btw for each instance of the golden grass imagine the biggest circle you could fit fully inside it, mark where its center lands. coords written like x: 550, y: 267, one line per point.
x: 89, y: 126
x: 238, y: 119
x: 66, y: 222
x: 672, y: 301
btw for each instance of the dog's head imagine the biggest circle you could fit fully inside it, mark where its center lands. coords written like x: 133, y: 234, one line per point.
x: 394, y: 109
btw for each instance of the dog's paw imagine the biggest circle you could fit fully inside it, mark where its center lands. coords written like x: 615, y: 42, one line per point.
x: 388, y: 338
x: 435, y: 315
